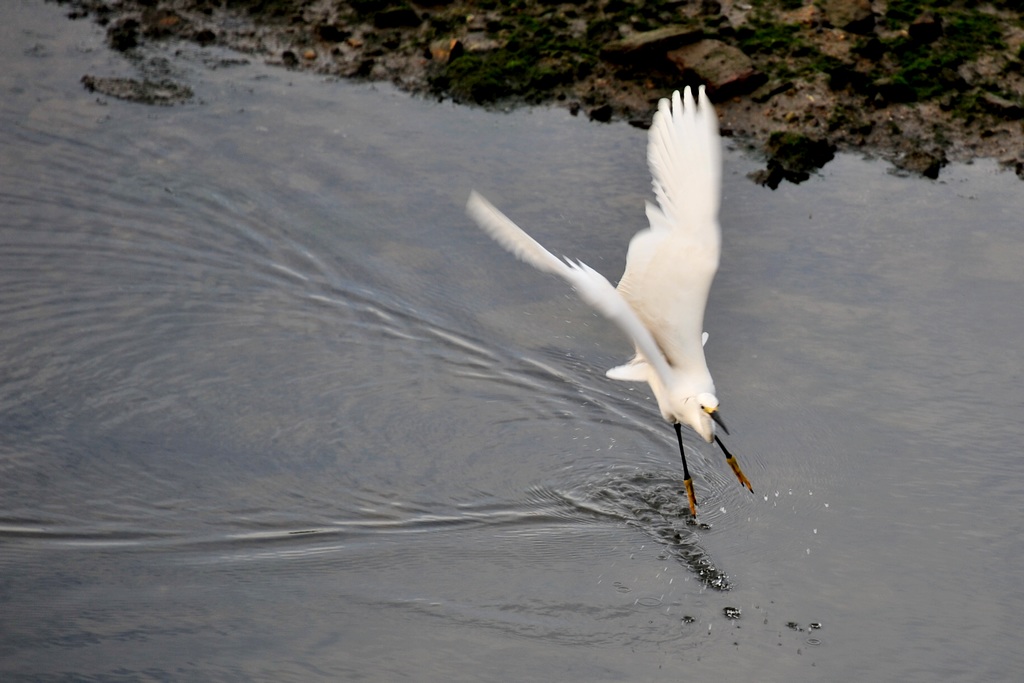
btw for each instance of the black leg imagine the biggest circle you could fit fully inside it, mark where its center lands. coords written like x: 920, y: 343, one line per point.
x: 687, y: 481
x: 734, y: 464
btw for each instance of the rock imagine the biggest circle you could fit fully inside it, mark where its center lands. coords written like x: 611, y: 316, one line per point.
x: 364, y: 68
x: 446, y: 50
x: 770, y: 90
x: 855, y: 16
x: 723, y: 68
x: 873, y: 49
x: 602, y: 113
x: 1002, y: 107
x: 397, y: 17
x: 894, y: 90
x: 792, y: 157
x: 710, y: 8
x: 770, y: 177
x: 330, y: 33
x: 808, y: 15
x: 642, y: 47
x: 124, y: 35
x: 927, y: 28
x: 477, y: 41
x: 842, y: 76
x: 478, y: 22
x: 163, y: 92
x: 161, y: 23
x: 205, y: 37
x: 922, y: 162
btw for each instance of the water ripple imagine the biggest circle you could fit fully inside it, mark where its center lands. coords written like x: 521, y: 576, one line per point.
x: 655, y: 504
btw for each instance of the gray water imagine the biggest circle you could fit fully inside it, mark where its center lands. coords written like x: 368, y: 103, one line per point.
x: 271, y: 408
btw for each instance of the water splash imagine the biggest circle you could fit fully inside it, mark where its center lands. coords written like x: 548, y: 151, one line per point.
x: 653, y: 503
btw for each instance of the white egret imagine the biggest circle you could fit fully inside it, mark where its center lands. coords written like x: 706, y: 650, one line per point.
x: 661, y: 297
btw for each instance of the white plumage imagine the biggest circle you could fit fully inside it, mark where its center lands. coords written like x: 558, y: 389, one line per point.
x: 661, y: 297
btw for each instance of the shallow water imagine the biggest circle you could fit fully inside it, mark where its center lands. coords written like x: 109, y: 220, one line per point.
x: 271, y: 408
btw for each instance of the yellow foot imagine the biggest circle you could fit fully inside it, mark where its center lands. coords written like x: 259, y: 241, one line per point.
x: 739, y: 473
x: 688, y: 483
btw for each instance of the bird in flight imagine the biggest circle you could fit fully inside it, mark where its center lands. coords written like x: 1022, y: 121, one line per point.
x: 660, y: 300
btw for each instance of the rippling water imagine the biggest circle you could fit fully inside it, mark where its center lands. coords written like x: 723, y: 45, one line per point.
x: 271, y: 408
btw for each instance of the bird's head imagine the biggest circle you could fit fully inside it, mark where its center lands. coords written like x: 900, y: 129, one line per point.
x: 700, y: 412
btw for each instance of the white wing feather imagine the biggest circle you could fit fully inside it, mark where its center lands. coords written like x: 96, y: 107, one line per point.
x: 684, y: 154
x: 511, y: 236
x: 661, y: 298
x: 592, y: 287
x: 670, y: 266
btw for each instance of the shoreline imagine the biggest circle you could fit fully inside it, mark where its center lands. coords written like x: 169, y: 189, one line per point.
x: 919, y: 84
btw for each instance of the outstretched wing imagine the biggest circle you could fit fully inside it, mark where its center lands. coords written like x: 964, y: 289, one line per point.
x: 511, y: 236
x: 592, y: 287
x: 670, y: 266
x: 684, y: 154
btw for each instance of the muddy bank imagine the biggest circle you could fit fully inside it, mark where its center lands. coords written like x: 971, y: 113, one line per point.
x: 920, y: 83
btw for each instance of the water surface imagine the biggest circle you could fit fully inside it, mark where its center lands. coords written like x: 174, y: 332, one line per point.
x: 271, y: 408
